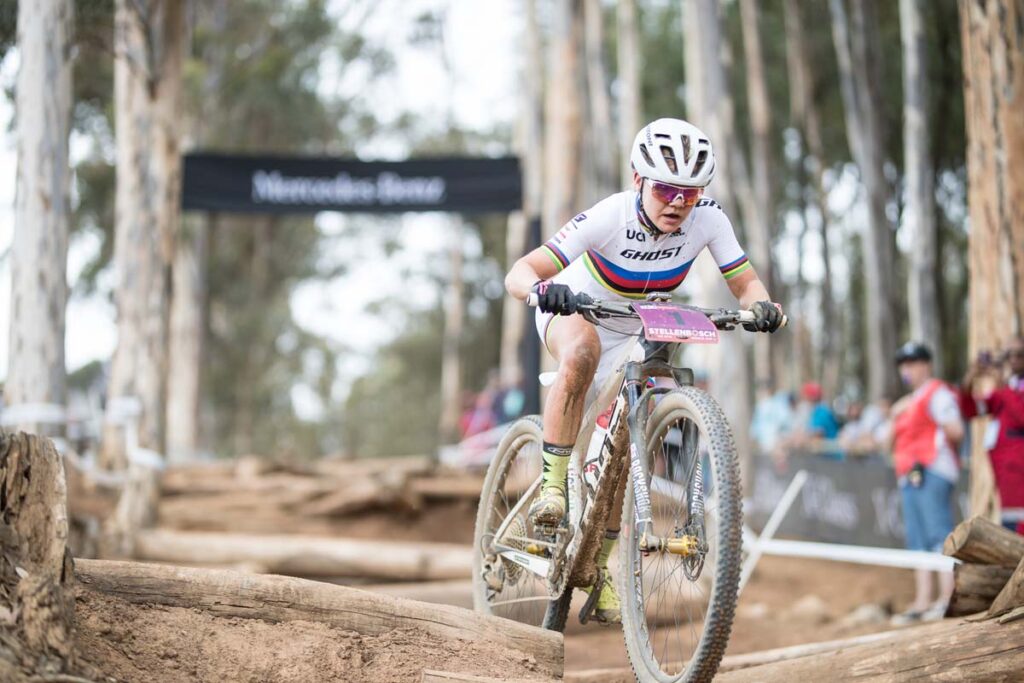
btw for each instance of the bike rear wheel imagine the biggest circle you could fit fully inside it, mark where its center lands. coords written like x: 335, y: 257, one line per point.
x: 677, y: 610
x: 501, y: 587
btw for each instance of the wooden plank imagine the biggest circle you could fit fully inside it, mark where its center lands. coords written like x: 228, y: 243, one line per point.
x: 979, y: 540
x: 281, y: 598
x: 309, y: 555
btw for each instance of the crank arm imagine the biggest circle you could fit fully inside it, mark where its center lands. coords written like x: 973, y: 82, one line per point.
x: 537, y: 565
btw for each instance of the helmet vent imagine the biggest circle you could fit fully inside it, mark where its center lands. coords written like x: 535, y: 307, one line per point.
x: 702, y: 157
x: 647, y: 155
x: 686, y: 148
x: 670, y: 158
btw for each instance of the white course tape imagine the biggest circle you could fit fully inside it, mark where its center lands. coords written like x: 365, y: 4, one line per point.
x: 33, y: 413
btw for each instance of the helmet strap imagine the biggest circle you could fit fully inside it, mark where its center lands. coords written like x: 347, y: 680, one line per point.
x: 642, y: 217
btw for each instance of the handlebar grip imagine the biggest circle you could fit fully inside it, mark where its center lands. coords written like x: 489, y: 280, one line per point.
x: 532, y: 299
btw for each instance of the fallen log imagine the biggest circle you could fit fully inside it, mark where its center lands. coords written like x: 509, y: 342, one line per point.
x: 281, y: 598
x: 976, y: 585
x: 431, y: 676
x: 1012, y: 594
x: 983, y: 651
x: 984, y: 542
x: 442, y: 487
x: 309, y: 555
x: 458, y: 593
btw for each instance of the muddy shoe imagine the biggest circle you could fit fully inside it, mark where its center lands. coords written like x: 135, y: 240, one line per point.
x: 607, y: 611
x: 549, y: 509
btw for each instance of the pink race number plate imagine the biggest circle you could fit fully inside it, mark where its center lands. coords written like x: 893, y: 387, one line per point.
x: 675, y: 323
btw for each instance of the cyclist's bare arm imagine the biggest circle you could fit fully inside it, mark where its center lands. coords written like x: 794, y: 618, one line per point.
x: 748, y: 288
x: 536, y: 265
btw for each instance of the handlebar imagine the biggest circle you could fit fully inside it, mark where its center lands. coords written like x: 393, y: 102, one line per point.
x: 722, y: 318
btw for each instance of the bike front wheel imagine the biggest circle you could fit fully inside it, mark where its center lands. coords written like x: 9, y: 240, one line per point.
x: 678, y: 605
x: 501, y: 587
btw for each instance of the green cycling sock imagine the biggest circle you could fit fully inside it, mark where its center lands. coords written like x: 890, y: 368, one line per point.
x: 556, y: 466
x: 607, y: 543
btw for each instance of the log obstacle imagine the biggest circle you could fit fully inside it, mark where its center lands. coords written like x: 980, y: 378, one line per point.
x: 281, y: 598
x: 991, y: 580
x: 308, y: 555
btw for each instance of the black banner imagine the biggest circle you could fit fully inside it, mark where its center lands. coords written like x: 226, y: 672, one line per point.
x: 267, y: 184
x: 854, y: 502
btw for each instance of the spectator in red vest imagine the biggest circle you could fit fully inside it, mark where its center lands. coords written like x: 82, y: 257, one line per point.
x: 926, y: 429
x: 987, y: 391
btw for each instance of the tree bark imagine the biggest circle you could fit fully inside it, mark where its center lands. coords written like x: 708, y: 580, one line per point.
x: 980, y: 540
x: 563, y: 143
x: 36, y: 373
x: 1012, y: 594
x: 603, y: 176
x: 993, y: 96
x: 976, y: 585
x: 984, y: 651
x: 309, y: 555
x: 919, y: 206
x: 279, y: 598
x: 759, y: 224
x: 630, y: 117
x: 186, y: 341
x: 149, y: 57
x: 856, y: 54
x: 993, y: 57
x: 35, y: 566
x: 451, y: 366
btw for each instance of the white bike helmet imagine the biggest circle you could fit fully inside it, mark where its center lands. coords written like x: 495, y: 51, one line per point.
x: 673, y: 151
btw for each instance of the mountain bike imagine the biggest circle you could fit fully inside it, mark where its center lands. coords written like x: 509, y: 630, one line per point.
x: 669, y: 445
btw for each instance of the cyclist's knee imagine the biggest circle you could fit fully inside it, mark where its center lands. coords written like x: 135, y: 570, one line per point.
x: 580, y: 359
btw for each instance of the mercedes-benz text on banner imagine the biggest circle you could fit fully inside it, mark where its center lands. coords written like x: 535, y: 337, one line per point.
x: 217, y: 182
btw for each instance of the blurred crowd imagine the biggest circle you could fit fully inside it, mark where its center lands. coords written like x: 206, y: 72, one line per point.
x: 924, y: 435
x: 497, y: 403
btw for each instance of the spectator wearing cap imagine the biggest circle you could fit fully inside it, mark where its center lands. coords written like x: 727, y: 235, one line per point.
x: 816, y: 425
x: 926, y: 429
x: 986, y: 390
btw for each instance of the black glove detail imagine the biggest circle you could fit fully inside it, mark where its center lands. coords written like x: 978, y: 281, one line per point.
x: 768, y: 317
x: 555, y: 298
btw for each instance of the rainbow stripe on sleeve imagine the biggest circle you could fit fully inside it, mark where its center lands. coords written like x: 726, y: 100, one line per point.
x: 555, y: 254
x: 731, y: 270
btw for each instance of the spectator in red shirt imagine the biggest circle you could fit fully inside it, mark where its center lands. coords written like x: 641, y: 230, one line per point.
x: 987, y: 390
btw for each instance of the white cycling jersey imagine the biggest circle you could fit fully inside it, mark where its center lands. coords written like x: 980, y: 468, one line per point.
x: 609, y: 253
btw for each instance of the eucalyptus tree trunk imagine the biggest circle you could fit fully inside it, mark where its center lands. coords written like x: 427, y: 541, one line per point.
x: 186, y: 339
x: 189, y: 291
x: 709, y: 106
x: 451, y: 365
x: 856, y: 52
x: 149, y: 49
x: 993, y: 100
x: 600, y: 135
x: 530, y: 142
x: 759, y: 223
x: 629, y: 85
x: 804, y: 112
x: 563, y: 140
x: 919, y: 203
x: 36, y: 373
